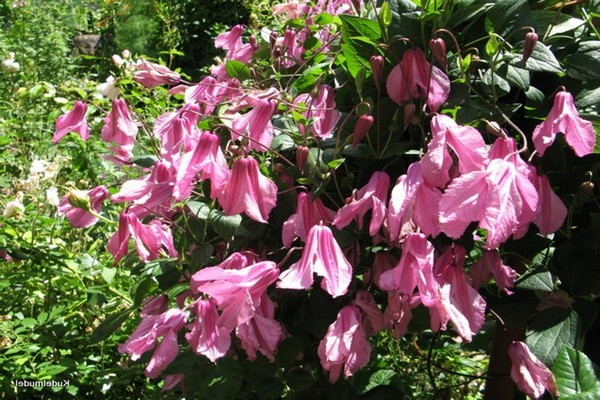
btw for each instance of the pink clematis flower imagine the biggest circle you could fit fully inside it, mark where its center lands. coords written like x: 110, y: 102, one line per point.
x: 500, y: 197
x: 309, y: 212
x: 551, y: 211
x: 72, y: 121
x: 119, y: 127
x: 231, y: 41
x: 247, y: 190
x: 154, y: 305
x: 262, y: 333
x: 178, y: 131
x: 144, y: 338
x: 256, y: 124
x: 292, y: 9
x: 207, y: 337
x: 564, y: 118
x: 414, y: 78
x: 372, y: 196
x: 398, y: 312
x: 321, y: 111
x: 76, y: 206
x: 345, y: 346
x: 490, y: 264
x: 372, y: 316
x: 323, y: 256
x: 238, y: 292
x: 151, y: 74
x: 531, y: 376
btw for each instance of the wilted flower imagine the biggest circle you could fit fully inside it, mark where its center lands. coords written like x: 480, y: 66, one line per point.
x: 531, y: 376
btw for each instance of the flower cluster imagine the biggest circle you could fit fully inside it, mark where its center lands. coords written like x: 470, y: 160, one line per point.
x: 221, y: 147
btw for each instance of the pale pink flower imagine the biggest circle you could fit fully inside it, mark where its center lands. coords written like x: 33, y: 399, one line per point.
x: 261, y: 333
x: 323, y: 256
x: 320, y: 111
x: 212, y: 91
x: 144, y: 338
x: 490, y: 264
x: 119, y: 127
x: 151, y: 74
x: 173, y: 380
x: 247, y: 190
x: 345, y: 347
x: 72, y: 121
x: 288, y: 50
x: 372, y: 196
x: 551, y: 211
x: 238, y: 292
x: 309, y: 212
x: 531, y: 375
x: 564, y: 118
x: 292, y: 9
x: 231, y: 41
x: 76, y: 206
x: 207, y: 337
x: 415, y: 78
x: 178, y: 131
x: 398, y: 312
x: 256, y: 125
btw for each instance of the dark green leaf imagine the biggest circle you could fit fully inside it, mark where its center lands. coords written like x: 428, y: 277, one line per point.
x: 537, y: 278
x: 588, y: 98
x: 550, y: 330
x: 145, y: 161
x: 309, y: 78
x: 543, y: 60
x: 225, y: 225
x: 299, y: 380
x: 509, y: 15
x: 355, y: 27
x: 575, y: 373
x: 368, y: 379
x: 109, y: 326
x: 584, y: 63
x: 198, y: 209
x: 237, y: 69
x: 518, y: 77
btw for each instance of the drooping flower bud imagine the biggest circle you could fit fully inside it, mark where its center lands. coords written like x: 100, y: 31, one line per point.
x: 438, y: 49
x: 531, y: 38
x: 363, y: 124
x: 494, y: 128
x: 79, y: 199
x: 377, y: 67
x: 301, y: 157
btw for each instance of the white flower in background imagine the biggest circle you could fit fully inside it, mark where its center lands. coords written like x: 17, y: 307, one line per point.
x: 14, y: 209
x: 38, y: 167
x: 10, y: 65
x: 109, y: 88
x: 52, y: 196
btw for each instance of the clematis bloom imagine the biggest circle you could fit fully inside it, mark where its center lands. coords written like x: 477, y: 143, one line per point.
x: 309, y: 212
x: 119, y: 127
x: 207, y: 337
x: 72, y: 121
x: 564, y: 118
x: 323, y: 256
x: 76, y: 206
x: 531, y: 375
x: 151, y: 74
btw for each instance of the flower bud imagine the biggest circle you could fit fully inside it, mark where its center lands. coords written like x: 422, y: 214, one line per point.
x: 494, y: 128
x: 409, y: 112
x: 438, y: 49
x: 301, y: 157
x: 377, y: 67
x: 586, y: 189
x: 362, y: 127
x: 79, y: 199
x: 531, y: 38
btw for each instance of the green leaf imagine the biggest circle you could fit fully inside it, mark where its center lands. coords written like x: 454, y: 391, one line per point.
x: 225, y: 225
x: 386, y: 14
x: 360, y: 36
x: 309, y: 78
x: 537, y: 278
x: 299, y: 379
x: 109, y: 325
x: 108, y: 274
x: 369, y: 380
x: 543, y: 60
x: 145, y: 161
x: 518, y: 77
x: 354, y: 27
x: 509, y: 15
x: 550, y: 330
x: 588, y: 98
x: 224, y: 381
x: 584, y: 64
x: 575, y: 373
x: 198, y: 209
x: 492, y: 46
x: 237, y: 69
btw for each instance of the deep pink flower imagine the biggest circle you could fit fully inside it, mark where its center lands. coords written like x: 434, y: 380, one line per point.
x: 323, y: 256
x: 119, y: 127
x: 382, y: 262
x: 154, y: 305
x: 309, y: 212
x: 148, y: 239
x: 398, y: 312
x: 531, y: 376
x: 551, y: 211
x: 178, y: 131
x: 207, y: 337
x: 76, y: 209
x: 490, y: 264
x: 372, y: 196
x: 72, y: 121
x: 231, y: 41
x: 256, y: 125
x: 238, y: 292
x: 372, y: 317
x: 564, y: 118
x: 415, y: 78
x: 261, y: 333
x: 144, y: 338
x: 151, y: 74
x: 247, y: 190
x: 345, y: 346
x: 361, y: 129
x: 320, y: 111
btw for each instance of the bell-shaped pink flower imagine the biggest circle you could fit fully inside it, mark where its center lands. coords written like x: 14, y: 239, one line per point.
x: 119, y: 127
x: 372, y: 196
x: 531, y: 375
x: 231, y: 41
x: 490, y: 264
x: 345, y: 347
x: 323, y: 256
x: 414, y: 78
x: 151, y: 74
x: 564, y: 118
x: 320, y: 111
x: 77, y: 209
x: 309, y: 212
x: 256, y: 125
x: 154, y: 305
x: 361, y: 129
x: 144, y: 338
x: 398, y: 312
x: 206, y: 336
x: 238, y: 292
x: 247, y: 190
x: 551, y: 211
x: 372, y: 316
x: 262, y: 333
x: 72, y: 121
x: 178, y: 131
